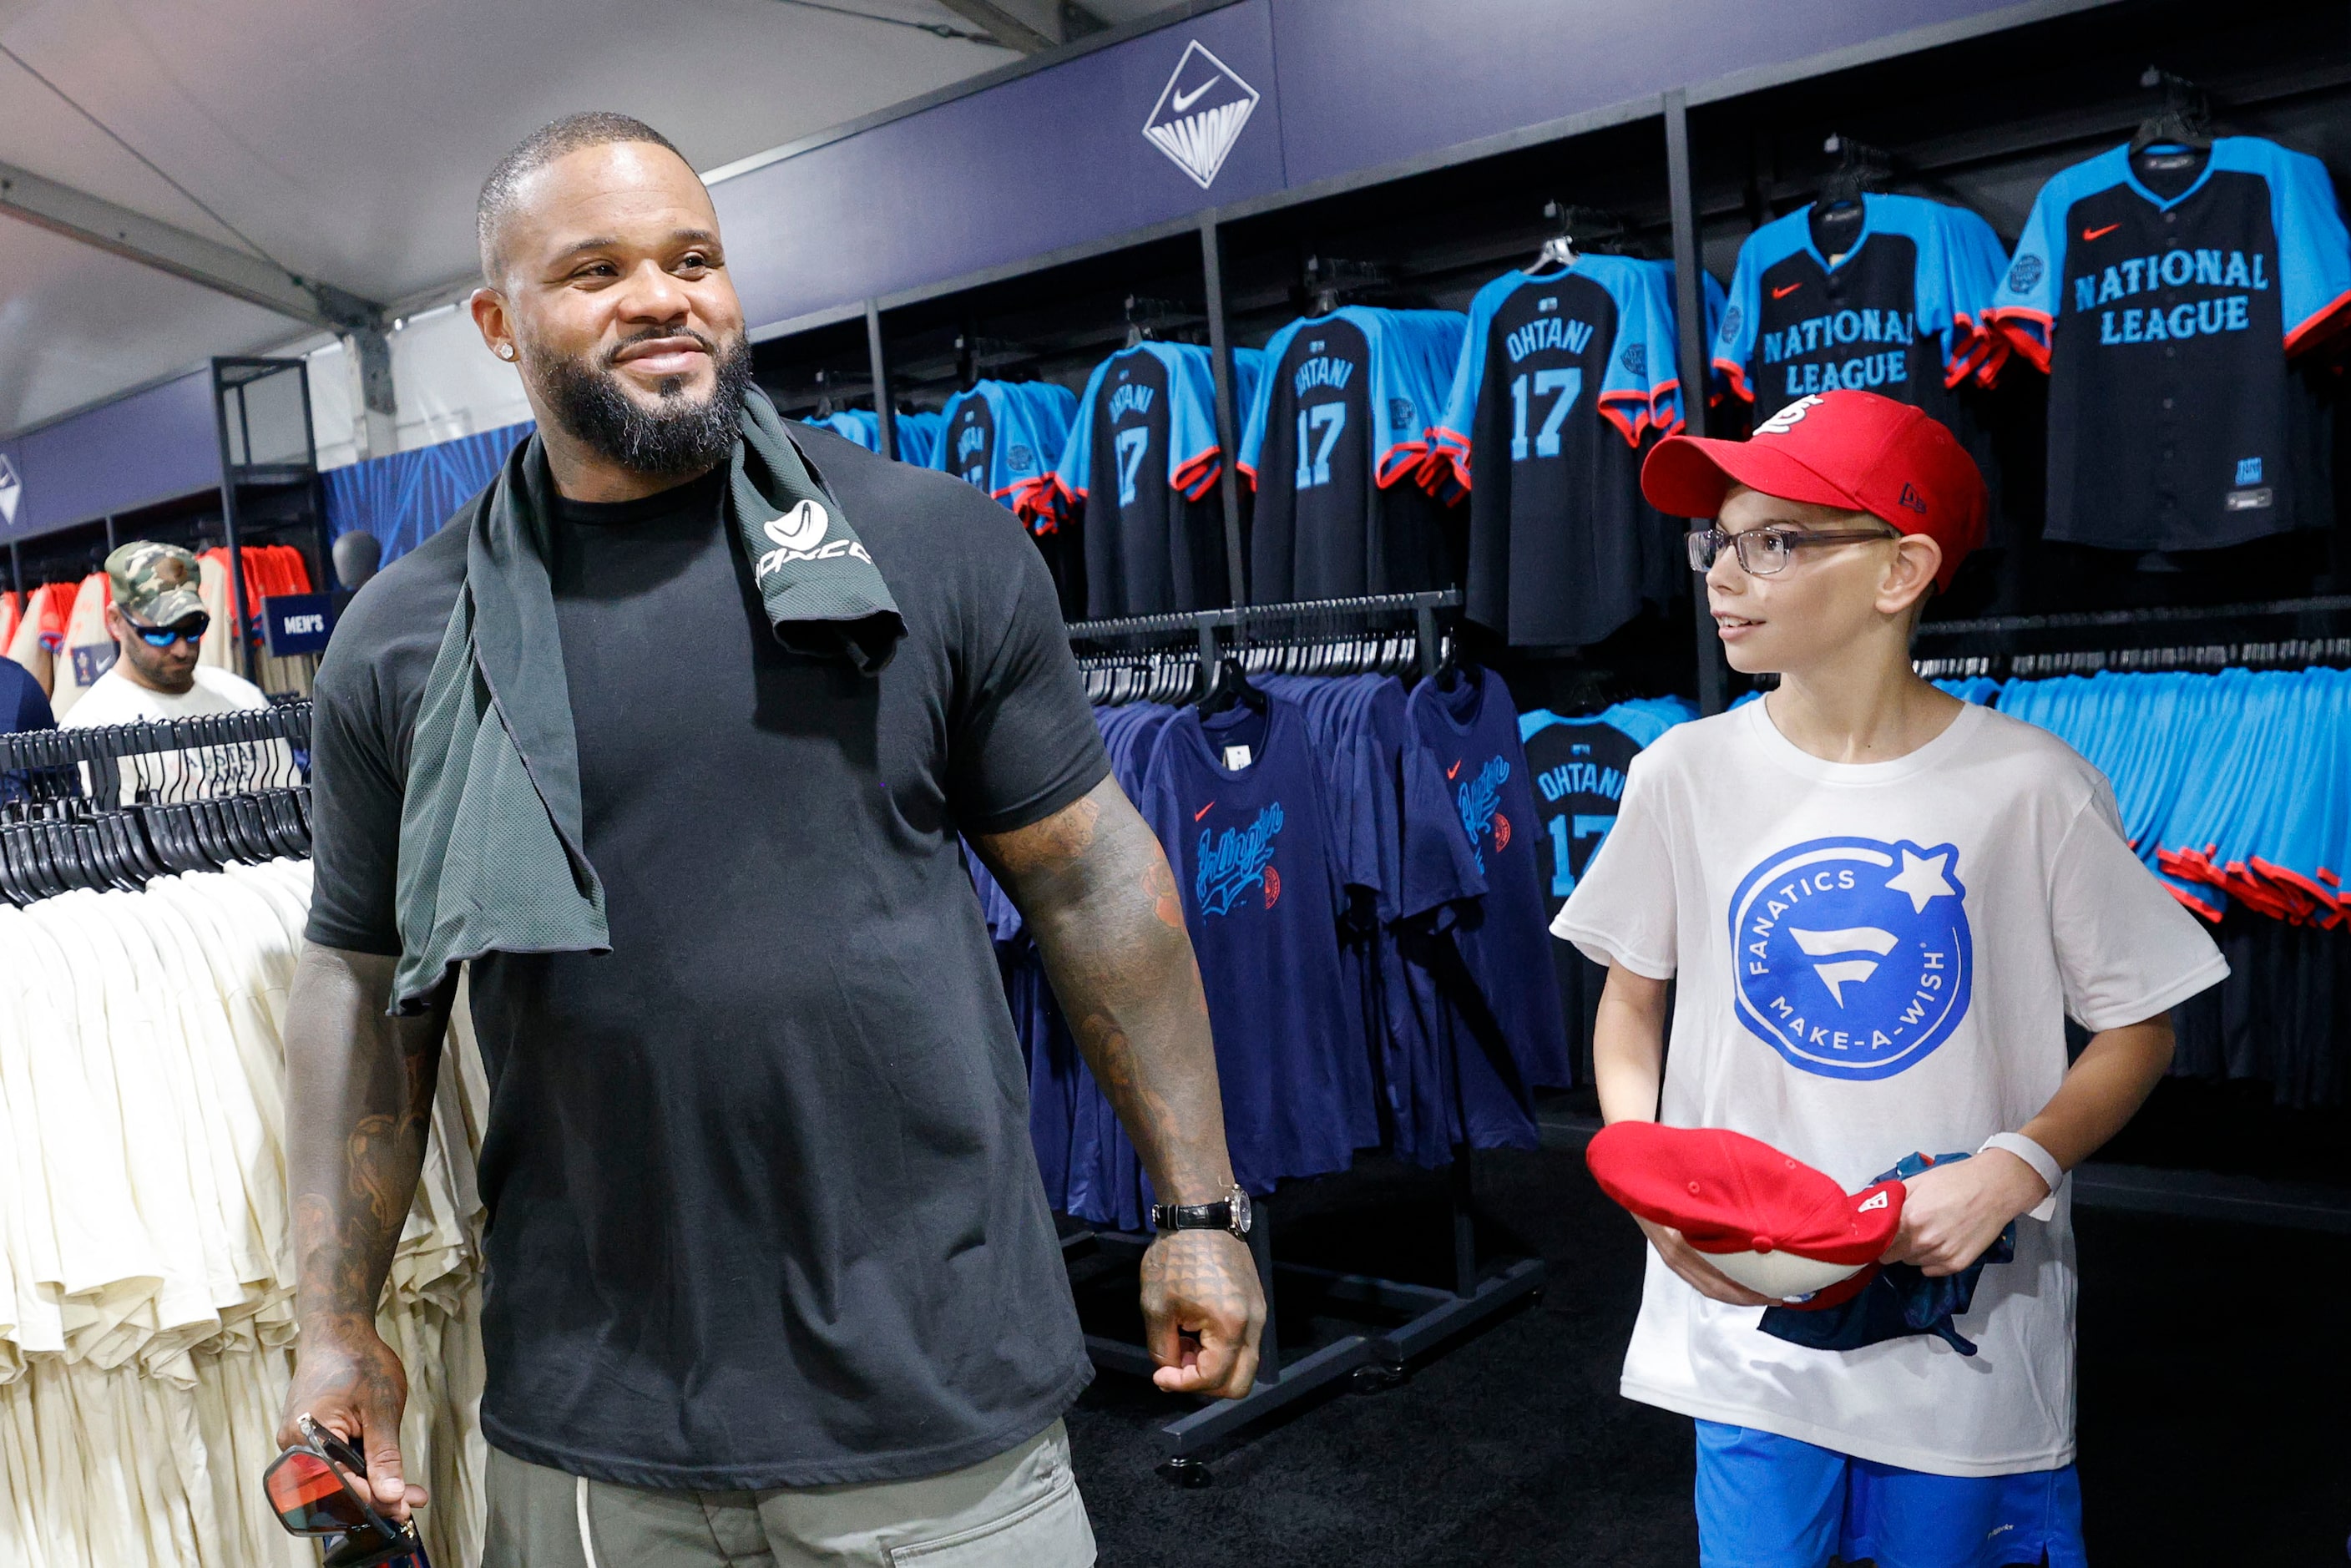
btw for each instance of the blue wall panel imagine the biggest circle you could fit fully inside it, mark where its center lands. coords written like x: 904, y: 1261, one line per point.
x: 1047, y: 160
x: 1368, y: 82
x: 151, y: 446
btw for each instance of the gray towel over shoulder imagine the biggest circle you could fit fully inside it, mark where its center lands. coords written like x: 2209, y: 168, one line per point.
x: 491, y: 856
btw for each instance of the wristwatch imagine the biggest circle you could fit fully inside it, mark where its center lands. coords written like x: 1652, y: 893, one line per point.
x: 1232, y: 1213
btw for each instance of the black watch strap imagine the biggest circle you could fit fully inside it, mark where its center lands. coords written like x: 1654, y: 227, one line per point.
x: 1230, y: 1214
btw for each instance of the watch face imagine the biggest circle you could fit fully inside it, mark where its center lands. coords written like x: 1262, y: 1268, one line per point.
x: 1240, y: 1202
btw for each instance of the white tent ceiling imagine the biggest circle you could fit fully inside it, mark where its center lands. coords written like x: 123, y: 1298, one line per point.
x: 347, y: 138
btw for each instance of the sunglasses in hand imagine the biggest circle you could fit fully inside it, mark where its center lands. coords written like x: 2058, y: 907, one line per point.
x: 310, y: 1488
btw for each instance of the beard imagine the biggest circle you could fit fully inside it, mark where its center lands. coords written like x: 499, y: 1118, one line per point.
x: 681, y: 435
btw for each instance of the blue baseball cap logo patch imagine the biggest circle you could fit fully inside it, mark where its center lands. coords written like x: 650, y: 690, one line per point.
x: 1852, y: 954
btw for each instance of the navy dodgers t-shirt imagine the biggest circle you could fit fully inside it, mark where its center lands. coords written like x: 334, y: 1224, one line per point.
x: 1263, y: 891
x: 1471, y: 733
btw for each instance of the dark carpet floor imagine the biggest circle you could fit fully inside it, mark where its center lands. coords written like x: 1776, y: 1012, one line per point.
x: 2215, y: 1376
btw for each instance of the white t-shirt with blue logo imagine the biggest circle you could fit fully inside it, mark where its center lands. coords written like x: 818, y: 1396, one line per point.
x: 1876, y: 959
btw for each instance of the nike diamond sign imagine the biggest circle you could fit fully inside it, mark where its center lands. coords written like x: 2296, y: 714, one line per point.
x: 1200, y: 113
x: 12, y: 490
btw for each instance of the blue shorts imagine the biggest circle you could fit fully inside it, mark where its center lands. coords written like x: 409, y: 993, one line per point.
x: 1769, y: 1501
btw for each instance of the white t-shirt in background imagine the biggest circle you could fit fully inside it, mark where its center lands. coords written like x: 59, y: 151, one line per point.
x: 1910, y: 937
x: 118, y: 699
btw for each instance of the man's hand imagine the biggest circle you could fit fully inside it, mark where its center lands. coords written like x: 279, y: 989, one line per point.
x: 1690, y: 1263
x: 1950, y: 1213
x: 1202, y: 1312
x: 349, y: 1381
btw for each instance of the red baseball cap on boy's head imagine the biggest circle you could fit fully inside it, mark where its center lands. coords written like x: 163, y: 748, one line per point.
x: 1765, y: 1218
x: 1854, y: 450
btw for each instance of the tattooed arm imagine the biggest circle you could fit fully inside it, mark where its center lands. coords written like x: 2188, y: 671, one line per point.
x: 358, y: 1100
x: 1095, y: 889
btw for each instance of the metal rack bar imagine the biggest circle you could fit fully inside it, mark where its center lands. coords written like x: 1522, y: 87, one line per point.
x: 885, y: 412
x: 1228, y: 420
x: 1192, y: 619
x: 2086, y: 620
x: 1689, y: 306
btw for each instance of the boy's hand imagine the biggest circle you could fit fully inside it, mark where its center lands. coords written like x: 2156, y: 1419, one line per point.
x: 1952, y: 1212
x: 1690, y: 1263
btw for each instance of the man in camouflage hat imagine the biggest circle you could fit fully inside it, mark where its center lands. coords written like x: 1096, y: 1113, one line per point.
x: 158, y: 623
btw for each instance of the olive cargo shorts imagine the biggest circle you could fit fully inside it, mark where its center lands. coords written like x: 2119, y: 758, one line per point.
x: 1018, y: 1509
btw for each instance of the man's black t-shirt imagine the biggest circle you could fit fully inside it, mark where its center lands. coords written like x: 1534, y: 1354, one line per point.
x: 763, y: 1209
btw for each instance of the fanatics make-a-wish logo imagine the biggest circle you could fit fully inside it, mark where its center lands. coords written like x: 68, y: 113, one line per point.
x: 1853, y: 956
x: 1200, y: 113
x: 1237, y: 860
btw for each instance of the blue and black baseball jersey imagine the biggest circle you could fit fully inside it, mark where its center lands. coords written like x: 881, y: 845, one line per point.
x: 1005, y: 436
x: 1135, y: 488
x: 2163, y: 291
x: 918, y: 438
x: 1238, y: 805
x: 1562, y: 376
x: 1578, y: 768
x: 1339, y: 425
x: 1893, y: 302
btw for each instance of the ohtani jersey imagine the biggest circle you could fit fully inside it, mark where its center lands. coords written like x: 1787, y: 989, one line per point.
x: 1578, y: 766
x: 1896, y: 306
x: 2163, y: 291
x: 1004, y: 436
x: 1563, y: 376
x: 1137, y: 481
x: 1340, y: 422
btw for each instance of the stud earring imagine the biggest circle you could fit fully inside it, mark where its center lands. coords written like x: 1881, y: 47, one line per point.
x: 505, y: 350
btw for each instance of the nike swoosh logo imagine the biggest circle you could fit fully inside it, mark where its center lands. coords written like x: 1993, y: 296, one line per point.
x: 2100, y: 234
x: 1452, y: 770
x: 1185, y: 100
x: 1783, y: 293
x: 1204, y: 810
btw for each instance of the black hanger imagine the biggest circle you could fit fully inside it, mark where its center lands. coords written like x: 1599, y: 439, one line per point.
x: 2186, y: 117
x: 1861, y: 170
x: 1232, y: 686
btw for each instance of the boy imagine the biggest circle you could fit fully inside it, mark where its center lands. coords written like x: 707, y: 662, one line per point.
x: 1880, y: 903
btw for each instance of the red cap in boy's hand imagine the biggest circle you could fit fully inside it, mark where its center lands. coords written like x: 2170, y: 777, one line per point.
x: 1853, y: 450
x: 1768, y: 1220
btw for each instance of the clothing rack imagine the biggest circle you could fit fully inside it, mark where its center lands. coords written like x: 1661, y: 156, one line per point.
x: 1376, y: 1357
x: 2001, y: 646
x: 1159, y: 672
x: 225, y: 787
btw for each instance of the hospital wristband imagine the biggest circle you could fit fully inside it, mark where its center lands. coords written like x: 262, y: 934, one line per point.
x: 2045, y: 1165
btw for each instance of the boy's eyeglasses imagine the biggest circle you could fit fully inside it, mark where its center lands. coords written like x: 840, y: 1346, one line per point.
x: 310, y: 1489
x: 193, y: 629
x: 1763, y: 551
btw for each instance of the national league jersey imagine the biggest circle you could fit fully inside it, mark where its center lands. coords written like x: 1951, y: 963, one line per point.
x: 1137, y: 480
x: 2164, y: 292
x: 1895, y: 305
x: 1339, y: 423
x: 1562, y: 377
x: 1003, y: 436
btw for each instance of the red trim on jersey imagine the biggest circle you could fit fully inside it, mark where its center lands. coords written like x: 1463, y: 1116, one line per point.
x: 1630, y: 429
x: 2308, y: 333
x: 1737, y: 376
x: 1246, y: 472
x: 1385, y: 473
x: 2027, y: 332
x: 1184, y: 478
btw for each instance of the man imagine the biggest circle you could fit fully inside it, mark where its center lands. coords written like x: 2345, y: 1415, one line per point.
x: 672, y: 732
x: 155, y: 613
x: 157, y: 619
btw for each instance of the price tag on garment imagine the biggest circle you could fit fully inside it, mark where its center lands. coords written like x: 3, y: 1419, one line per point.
x: 1237, y: 757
